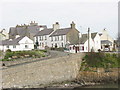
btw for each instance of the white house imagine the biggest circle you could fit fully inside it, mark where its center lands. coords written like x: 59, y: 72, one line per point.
x: 57, y: 37
x: 17, y: 44
x: 82, y: 46
x: 107, y: 42
x: 42, y: 38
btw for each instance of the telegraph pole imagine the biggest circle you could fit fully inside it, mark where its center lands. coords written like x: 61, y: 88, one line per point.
x: 88, y: 40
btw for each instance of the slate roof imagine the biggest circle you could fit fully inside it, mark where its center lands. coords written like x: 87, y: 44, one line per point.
x: 62, y: 31
x: 11, y: 41
x: 25, y: 30
x: 93, y: 35
x: 106, y: 42
x: 44, y: 32
x: 84, y: 37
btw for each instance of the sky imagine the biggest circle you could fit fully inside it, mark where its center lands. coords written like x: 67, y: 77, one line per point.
x: 96, y: 14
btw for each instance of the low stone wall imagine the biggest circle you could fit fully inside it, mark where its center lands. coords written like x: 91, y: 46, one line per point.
x: 43, y: 72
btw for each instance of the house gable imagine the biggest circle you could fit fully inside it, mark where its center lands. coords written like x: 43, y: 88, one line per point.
x: 73, y: 36
x: 25, y: 40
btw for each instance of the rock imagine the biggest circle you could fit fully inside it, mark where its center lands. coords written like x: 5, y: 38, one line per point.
x: 14, y: 57
x: 21, y: 56
x: 27, y: 55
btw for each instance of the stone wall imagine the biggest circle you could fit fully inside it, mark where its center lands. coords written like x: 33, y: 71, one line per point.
x: 43, y: 72
x: 98, y: 77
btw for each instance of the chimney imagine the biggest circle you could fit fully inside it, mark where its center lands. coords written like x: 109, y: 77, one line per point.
x: 33, y: 23
x: 56, y: 26
x: 73, y: 25
x: 104, y: 31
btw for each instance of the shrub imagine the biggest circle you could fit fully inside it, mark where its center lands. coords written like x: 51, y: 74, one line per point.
x: 8, y: 50
x: 43, y: 50
x: 8, y: 55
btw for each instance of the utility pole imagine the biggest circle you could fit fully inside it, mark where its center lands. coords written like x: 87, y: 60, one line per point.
x: 88, y: 40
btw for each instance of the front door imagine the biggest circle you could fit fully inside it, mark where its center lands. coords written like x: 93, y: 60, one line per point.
x: 76, y: 49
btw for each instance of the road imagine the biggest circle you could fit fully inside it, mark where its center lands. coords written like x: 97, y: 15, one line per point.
x: 53, y: 54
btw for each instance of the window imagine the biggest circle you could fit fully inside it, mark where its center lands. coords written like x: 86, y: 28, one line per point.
x: 52, y: 44
x: 55, y: 38
x: 45, y: 37
x: 61, y: 38
x: 36, y: 38
x: 40, y: 38
x: 14, y: 46
x: 40, y: 44
x: 45, y: 43
x: 62, y: 44
x: 7, y: 46
x: 26, y: 46
x: 82, y: 47
x: 78, y: 49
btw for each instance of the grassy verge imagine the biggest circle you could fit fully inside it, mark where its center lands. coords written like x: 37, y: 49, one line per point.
x: 100, y: 60
x: 13, y: 55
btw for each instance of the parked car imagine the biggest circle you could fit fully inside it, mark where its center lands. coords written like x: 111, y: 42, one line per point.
x: 106, y: 49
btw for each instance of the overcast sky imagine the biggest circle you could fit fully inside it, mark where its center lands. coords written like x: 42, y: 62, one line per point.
x: 96, y: 14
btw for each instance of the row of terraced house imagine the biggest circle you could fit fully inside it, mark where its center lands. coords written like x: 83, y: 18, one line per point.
x: 34, y: 36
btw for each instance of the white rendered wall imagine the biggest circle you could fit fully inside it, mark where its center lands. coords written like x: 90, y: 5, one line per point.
x: 97, y: 43
x: 59, y: 42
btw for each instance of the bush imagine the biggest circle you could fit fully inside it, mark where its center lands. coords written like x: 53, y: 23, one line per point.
x: 8, y: 50
x: 43, y: 50
x: 8, y: 55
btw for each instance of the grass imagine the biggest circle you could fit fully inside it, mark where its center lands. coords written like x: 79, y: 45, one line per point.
x: 1, y: 53
x: 23, y: 54
x: 100, y: 60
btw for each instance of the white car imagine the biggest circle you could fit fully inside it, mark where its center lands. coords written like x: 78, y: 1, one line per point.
x: 106, y: 49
